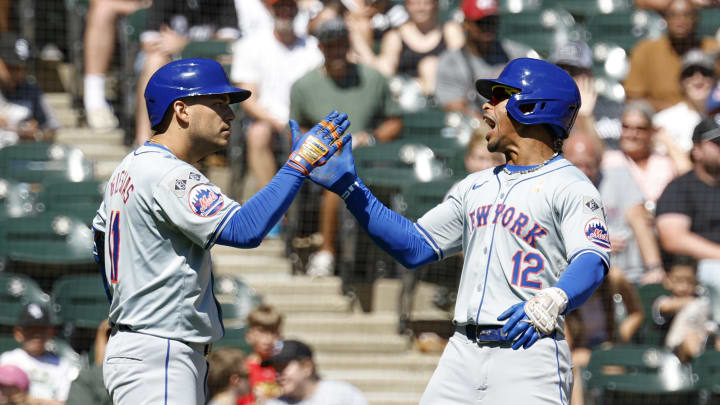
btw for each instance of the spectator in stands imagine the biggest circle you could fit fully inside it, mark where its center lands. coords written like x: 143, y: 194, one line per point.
x: 635, y: 250
x: 263, y: 334
x: 598, y: 114
x: 478, y: 157
x: 50, y: 375
x: 298, y: 376
x: 98, y: 45
x: 18, y: 87
x: 688, y: 218
x: 655, y: 64
x: 683, y: 315
x: 228, y: 377
x: 15, y: 123
x: 88, y: 388
x: 14, y: 384
x: 651, y: 170
x: 483, y: 55
x: 660, y: 5
x: 697, y: 79
x: 712, y: 106
x: 412, y: 49
x: 171, y: 25
x: 357, y: 89
x: 268, y: 63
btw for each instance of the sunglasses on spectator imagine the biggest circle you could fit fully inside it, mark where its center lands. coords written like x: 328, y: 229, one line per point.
x: 500, y: 93
x: 690, y: 71
x: 636, y: 128
x: 489, y: 23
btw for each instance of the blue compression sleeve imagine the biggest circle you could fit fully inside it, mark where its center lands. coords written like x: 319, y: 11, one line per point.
x: 249, y: 225
x: 394, y: 233
x: 581, y: 278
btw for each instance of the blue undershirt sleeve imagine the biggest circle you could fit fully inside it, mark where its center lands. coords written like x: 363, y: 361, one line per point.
x: 395, y: 234
x: 584, y: 274
x: 249, y: 225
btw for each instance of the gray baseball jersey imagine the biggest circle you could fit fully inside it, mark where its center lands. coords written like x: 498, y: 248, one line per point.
x: 160, y: 217
x: 518, y: 232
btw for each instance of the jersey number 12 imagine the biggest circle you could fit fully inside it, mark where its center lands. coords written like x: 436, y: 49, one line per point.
x: 114, y: 245
x: 535, y: 263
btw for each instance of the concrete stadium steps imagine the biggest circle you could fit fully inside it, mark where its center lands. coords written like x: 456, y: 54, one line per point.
x: 341, y: 323
x: 393, y: 398
x: 81, y: 136
x: 409, y: 362
x: 275, y: 283
x: 354, y: 343
x: 268, y: 247
x: 380, y: 381
x: 250, y: 263
x: 302, y: 303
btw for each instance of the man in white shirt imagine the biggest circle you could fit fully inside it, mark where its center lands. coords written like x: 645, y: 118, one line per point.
x: 268, y: 63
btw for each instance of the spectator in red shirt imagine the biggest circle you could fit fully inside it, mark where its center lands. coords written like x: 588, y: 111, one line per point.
x: 263, y: 334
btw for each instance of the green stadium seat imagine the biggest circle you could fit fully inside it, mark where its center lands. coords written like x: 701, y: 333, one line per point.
x: 46, y: 239
x: 36, y: 162
x: 8, y: 342
x: 624, y: 28
x: 236, y: 299
x: 638, y: 375
x: 709, y: 22
x: 235, y: 337
x: 134, y: 24
x: 81, y: 300
x: 78, y: 199
x: 423, y: 122
x: 16, y: 199
x: 589, y: 8
x: 649, y: 332
x: 207, y: 49
x: 421, y: 199
x: 16, y: 291
x: 530, y: 28
x: 706, y: 371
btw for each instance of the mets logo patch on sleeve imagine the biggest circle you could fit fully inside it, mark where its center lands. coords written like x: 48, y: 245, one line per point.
x: 596, y: 232
x: 205, y: 200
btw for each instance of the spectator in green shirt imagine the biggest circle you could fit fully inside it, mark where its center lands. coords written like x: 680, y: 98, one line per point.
x: 360, y: 91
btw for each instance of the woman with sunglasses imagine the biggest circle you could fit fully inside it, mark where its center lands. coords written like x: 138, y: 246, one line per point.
x: 534, y: 240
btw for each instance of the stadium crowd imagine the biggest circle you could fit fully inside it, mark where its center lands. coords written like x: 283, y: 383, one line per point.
x: 648, y: 138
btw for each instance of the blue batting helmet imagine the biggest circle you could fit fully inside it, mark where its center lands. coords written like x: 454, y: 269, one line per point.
x: 547, y: 94
x: 186, y: 78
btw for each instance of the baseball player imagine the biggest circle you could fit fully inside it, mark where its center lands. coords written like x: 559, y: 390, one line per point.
x: 534, y: 238
x: 158, y: 220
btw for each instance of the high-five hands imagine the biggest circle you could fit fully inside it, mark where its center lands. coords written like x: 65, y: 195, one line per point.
x: 315, y: 147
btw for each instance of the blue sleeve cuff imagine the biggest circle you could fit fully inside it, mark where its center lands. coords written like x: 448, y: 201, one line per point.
x: 584, y: 274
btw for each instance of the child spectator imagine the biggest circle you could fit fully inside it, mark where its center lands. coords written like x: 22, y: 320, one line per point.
x: 50, y: 375
x: 228, y: 377
x: 263, y: 334
x: 683, y: 315
x: 478, y: 157
x: 14, y: 384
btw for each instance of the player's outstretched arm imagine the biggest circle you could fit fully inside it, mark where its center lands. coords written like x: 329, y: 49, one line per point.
x: 529, y: 321
x: 249, y: 225
x: 395, y: 234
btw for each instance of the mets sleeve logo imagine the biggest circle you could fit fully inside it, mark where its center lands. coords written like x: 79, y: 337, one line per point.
x: 596, y: 232
x: 205, y: 200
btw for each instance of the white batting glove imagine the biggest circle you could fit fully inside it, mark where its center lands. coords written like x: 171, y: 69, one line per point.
x: 544, y: 309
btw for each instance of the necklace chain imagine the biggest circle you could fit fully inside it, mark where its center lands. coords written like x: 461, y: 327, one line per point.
x: 532, y: 169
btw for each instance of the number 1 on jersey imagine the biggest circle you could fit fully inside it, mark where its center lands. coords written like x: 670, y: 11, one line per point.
x: 114, y: 245
x: 535, y: 263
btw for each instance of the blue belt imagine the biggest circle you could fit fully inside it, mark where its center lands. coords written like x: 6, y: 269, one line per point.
x: 483, y: 333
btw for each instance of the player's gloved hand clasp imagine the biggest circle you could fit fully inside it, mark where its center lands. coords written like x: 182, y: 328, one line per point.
x: 541, y: 312
x: 316, y: 146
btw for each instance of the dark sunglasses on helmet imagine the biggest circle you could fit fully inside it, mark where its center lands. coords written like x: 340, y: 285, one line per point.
x: 501, y: 92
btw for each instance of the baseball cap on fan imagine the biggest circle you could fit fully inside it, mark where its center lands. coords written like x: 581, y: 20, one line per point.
x: 34, y: 314
x: 287, y: 351
x: 707, y: 130
x: 573, y: 53
x: 697, y: 60
x: 478, y: 9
